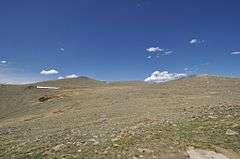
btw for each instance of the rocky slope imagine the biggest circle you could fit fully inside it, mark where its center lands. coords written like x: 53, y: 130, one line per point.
x: 86, y: 118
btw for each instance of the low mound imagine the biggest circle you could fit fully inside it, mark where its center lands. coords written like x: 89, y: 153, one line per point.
x: 86, y: 118
x: 72, y: 83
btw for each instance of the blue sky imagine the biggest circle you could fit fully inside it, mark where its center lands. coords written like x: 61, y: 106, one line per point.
x: 113, y: 39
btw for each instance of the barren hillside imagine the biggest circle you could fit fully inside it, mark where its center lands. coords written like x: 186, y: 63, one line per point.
x: 86, y: 118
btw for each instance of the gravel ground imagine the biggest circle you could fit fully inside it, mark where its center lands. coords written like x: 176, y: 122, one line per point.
x: 85, y: 118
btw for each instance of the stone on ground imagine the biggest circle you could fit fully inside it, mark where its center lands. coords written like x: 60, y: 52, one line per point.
x: 204, y: 154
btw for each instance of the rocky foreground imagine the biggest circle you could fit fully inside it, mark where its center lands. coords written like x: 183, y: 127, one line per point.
x: 197, y: 118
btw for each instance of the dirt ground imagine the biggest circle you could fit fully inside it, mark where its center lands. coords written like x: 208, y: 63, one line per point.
x: 85, y: 118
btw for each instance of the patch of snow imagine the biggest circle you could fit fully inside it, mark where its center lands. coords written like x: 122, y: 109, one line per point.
x: 42, y: 87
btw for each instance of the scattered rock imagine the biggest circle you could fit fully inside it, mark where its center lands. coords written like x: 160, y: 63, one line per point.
x: 212, y: 117
x: 231, y: 132
x: 59, y: 147
x: 43, y: 99
x: 174, y: 125
x: 31, y: 87
x: 143, y: 150
x: 118, y: 156
x: 116, y: 145
x: 95, y: 142
x: 105, y: 152
x: 229, y: 153
x: 204, y: 154
x: 92, y: 140
x: 78, y: 144
x: 235, y: 125
x: 229, y: 116
x: 115, y: 139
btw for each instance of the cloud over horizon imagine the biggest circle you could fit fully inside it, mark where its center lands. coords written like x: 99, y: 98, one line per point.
x: 60, y: 77
x: 68, y: 76
x: 71, y: 76
x: 49, y: 72
x: 159, y: 77
x: 18, y: 76
x: 18, y: 79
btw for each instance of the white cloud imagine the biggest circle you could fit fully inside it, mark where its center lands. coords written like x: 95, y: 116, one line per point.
x: 168, y: 52
x: 49, y: 72
x: 235, y: 53
x: 196, y: 41
x: 9, y: 75
x: 154, y: 49
x: 60, y: 77
x: 68, y: 76
x: 149, y: 57
x: 71, y: 76
x: 62, y: 49
x: 193, y: 41
x: 3, y: 62
x: 18, y: 79
x: 159, y: 77
x: 158, y: 51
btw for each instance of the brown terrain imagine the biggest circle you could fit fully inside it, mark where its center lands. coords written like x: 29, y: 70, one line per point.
x: 86, y: 118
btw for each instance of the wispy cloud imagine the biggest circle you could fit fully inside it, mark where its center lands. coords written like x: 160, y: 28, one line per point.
x: 157, y: 52
x: 61, y: 49
x: 149, y: 57
x: 235, y: 53
x: 18, y: 79
x: 3, y: 62
x: 49, y: 72
x: 154, y: 49
x: 196, y: 41
x: 159, y: 77
x: 9, y: 75
x: 168, y: 52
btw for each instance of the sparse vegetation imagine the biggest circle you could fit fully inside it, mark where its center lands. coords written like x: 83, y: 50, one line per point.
x: 91, y: 119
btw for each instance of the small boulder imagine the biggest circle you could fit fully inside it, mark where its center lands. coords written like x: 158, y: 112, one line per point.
x: 94, y: 141
x: 59, y: 147
x: 143, y: 150
x: 231, y: 132
x: 44, y: 98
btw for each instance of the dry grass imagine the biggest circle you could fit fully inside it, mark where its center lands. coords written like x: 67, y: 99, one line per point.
x: 98, y: 120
